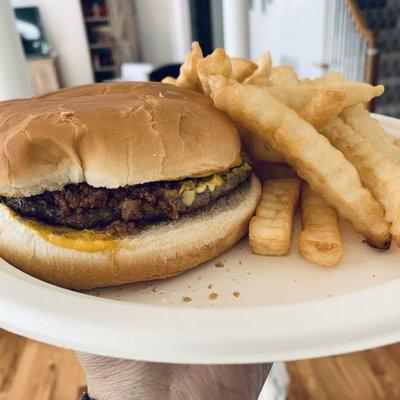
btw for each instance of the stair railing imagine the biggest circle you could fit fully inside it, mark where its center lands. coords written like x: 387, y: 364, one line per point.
x: 350, y: 47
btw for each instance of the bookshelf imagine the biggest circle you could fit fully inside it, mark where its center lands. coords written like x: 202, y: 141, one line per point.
x: 112, y: 34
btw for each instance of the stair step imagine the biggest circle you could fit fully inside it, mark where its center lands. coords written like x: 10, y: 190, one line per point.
x: 392, y: 110
x: 389, y: 65
x: 388, y: 40
x: 368, y: 4
x: 392, y: 91
x: 390, y: 81
x: 381, y: 18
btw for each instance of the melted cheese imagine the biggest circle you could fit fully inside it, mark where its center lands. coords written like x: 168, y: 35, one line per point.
x: 188, y: 197
x: 190, y: 186
x: 215, y: 181
x: 201, y: 188
x: 85, y: 240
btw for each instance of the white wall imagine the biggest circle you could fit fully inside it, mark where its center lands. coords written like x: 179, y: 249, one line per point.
x: 164, y: 30
x: 236, y: 27
x: 65, y: 31
x: 181, y: 29
x: 293, y: 30
x: 14, y: 80
x: 217, y: 23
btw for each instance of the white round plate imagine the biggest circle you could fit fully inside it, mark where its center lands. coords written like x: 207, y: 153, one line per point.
x: 267, y: 308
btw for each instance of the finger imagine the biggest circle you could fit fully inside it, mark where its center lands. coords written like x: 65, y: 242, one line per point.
x: 222, y: 382
x: 116, y: 378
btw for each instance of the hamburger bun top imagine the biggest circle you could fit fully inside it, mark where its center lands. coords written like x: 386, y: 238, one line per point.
x: 111, y: 135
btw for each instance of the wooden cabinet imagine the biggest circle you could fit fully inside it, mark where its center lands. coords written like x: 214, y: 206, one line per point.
x: 43, y: 75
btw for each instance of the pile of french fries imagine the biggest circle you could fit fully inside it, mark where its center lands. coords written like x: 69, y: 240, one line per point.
x: 312, y: 140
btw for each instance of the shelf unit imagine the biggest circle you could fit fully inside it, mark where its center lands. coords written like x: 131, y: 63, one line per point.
x: 110, y: 68
x: 101, y: 45
x: 96, y: 19
x: 112, y: 34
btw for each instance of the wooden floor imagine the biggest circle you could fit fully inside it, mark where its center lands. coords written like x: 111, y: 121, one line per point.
x: 35, y: 371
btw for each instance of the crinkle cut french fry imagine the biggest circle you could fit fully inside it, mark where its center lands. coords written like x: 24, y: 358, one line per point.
x: 328, y: 78
x: 261, y: 76
x: 283, y: 75
x: 325, y: 105
x: 377, y: 172
x: 271, y: 228
x: 319, y: 241
x: 294, y: 96
x: 312, y: 156
x: 361, y: 121
x: 259, y: 81
x: 331, y: 99
x: 298, y: 96
x: 242, y: 68
x: 217, y: 63
x: 267, y: 170
x: 169, y: 80
x: 328, y: 102
x: 188, y: 77
x: 257, y: 149
x: 355, y: 92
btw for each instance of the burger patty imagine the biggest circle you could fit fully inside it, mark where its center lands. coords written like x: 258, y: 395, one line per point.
x: 123, y: 210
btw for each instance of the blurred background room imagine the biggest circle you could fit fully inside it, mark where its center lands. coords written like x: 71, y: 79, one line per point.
x: 73, y: 42
x: 49, y: 44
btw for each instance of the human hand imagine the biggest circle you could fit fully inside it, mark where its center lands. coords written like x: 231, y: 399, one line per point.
x: 119, y: 379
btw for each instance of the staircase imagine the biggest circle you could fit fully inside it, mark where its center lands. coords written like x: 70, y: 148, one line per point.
x: 383, y: 18
x: 362, y: 41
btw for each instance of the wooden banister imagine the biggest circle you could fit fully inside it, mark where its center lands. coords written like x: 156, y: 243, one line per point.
x: 358, y: 19
x: 369, y: 36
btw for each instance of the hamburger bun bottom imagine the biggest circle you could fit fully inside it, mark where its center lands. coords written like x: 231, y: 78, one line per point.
x: 156, y: 252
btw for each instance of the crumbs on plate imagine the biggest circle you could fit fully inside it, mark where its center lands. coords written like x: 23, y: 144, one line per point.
x: 213, y: 296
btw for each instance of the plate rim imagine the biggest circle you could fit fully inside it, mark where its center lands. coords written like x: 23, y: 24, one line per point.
x: 69, y: 319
